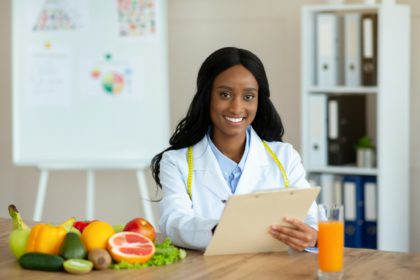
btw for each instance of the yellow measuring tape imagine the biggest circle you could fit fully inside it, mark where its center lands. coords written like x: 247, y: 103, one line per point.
x: 272, y: 154
x: 190, y: 170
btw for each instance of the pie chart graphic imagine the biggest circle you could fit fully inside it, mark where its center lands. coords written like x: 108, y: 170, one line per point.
x: 113, y: 83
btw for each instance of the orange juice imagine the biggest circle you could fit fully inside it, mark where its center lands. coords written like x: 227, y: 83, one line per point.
x: 330, y: 246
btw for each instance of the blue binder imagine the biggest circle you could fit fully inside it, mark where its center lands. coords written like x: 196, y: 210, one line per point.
x: 370, y: 214
x: 353, y: 211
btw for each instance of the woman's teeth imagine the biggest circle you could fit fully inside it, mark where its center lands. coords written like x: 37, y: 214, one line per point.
x: 235, y: 120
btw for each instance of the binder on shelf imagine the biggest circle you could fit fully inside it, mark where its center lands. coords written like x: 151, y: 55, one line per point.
x: 346, y: 124
x: 327, y: 50
x: 327, y: 189
x: 352, y: 68
x: 371, y: 213
x: 353, y: 211
x: 369, y: 33
x: 338, y: 191
x: 331, y: 192
x: 317, y: 130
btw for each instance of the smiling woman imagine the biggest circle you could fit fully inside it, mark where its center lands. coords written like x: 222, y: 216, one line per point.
x: 233, y: 106
x: 229, y: 143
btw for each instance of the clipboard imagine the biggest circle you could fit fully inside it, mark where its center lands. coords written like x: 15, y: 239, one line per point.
x: 246, y: 220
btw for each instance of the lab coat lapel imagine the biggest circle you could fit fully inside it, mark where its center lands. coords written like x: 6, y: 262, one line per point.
x: 206, y: 163
x: 253, y: 169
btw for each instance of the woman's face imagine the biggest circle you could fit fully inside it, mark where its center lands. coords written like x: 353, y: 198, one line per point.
x: 234, y: 102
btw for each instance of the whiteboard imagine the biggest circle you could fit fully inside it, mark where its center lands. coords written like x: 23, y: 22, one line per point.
x: 90, y: 82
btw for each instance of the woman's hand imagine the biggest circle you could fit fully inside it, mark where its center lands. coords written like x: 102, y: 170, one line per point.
x: 299, y: 236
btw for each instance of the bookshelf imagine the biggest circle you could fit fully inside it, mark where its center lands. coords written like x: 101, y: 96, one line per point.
x: 389, y: 125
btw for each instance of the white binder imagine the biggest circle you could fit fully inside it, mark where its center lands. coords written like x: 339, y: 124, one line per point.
x: 327, y: 188
x: 352, y: 49
x: 349, y: 201
x: 370, y: 202
x: 338, y: 191
x: 318, y: 130
x: 328, y: 68
x: 333, y: 125
x: 331, y: 189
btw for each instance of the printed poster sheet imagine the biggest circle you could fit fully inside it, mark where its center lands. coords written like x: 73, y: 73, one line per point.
x: 136, y: 17
x: 49, y: 76
x: 57, y: 15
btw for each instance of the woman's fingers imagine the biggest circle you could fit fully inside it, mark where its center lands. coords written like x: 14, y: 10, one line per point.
x: 300, y: 225
x: 289, y: 240
x: 298, y: 236
x: 295, y: 233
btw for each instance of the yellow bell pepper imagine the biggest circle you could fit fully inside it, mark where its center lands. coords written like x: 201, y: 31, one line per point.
x: 46, y: 239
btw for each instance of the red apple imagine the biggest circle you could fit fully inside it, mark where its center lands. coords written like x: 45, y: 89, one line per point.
x: 141, y: 226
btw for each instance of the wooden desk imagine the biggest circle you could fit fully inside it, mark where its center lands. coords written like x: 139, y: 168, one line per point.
x: 359, y: 264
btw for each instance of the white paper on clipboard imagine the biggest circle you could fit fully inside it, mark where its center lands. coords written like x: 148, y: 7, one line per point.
x: 246, y: 220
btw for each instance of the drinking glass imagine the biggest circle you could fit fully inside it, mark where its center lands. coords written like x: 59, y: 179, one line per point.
x: 330, y: 241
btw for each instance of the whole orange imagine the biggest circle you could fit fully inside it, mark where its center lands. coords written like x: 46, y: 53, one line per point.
x: 96, y: 235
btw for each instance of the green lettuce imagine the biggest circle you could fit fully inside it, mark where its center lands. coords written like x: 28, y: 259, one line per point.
x: 166, y: 253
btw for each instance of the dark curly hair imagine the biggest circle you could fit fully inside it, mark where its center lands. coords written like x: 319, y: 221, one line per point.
x: 191, y: 129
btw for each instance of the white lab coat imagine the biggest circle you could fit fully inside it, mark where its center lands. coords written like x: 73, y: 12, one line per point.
x: 189, y: 223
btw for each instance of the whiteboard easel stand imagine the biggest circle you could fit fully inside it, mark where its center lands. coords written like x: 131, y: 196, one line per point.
x: 90, y: 188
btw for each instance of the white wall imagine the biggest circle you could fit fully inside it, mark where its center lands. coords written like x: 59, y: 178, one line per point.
x: 270, y: 28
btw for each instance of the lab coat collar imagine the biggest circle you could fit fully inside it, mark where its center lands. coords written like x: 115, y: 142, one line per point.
x: 257, y: 159
x: 203, y: 154
x: 205, y: 161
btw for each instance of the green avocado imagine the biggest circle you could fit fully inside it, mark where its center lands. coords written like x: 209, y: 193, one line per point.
x: 73, y: 247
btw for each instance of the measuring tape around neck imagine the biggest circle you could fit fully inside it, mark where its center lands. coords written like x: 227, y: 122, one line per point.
x: 190, y: 167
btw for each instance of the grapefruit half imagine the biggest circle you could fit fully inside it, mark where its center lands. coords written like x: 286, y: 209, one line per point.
x: 131, y: 247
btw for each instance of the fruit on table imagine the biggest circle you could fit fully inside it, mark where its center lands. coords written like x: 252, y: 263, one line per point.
x: 73, y: 247
x: 118, y: 227
x: 96, y: 235
x: 18, y: 238
x: 81, y: 225
x: 41, y: 261
x: 68, y: 224
x: 131, y: 247
x: 75, y: 230
x: 142, y: 226
x: 46, y: 239
x: 100, y: 258
x: 78, y: 266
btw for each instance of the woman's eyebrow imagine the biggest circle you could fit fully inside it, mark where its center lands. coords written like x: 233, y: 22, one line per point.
x: 251, y: 89
x: 230, y: 88
x: 225, y: 87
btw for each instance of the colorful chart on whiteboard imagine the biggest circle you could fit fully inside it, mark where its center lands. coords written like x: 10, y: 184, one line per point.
x: 136, y: 17
x: 111, y: 78
x: 61, y: 15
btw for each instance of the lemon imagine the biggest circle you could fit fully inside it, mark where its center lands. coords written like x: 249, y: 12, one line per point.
x: 96, y: 235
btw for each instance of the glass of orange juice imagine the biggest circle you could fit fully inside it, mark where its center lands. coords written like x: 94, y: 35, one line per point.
x: 330, y: 241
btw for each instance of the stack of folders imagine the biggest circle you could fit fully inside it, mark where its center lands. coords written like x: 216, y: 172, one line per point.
x: 336, y: 123
x: 346, y: 49
x: 360, y: 211
x: 358, y: 194
x: 346, y: 118
x: 331, y: 189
